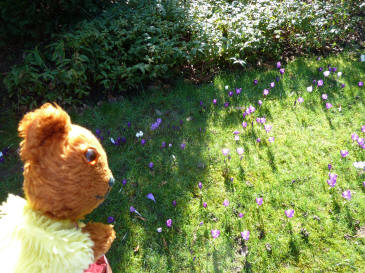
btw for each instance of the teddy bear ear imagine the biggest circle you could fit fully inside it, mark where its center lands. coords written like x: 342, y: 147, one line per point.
x: 36, y: 127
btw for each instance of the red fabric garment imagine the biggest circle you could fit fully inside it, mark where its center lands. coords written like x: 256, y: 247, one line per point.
x: 100, y: 266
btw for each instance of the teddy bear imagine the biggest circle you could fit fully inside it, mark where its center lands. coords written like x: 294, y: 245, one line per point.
x: 66, y: 176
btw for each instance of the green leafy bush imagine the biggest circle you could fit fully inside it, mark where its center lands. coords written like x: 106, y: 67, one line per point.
x: 142, y: 40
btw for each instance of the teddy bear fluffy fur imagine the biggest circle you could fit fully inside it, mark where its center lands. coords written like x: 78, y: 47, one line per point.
x: 66, y: 172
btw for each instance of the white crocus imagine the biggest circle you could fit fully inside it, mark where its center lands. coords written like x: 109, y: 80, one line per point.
x: 339, y: 74
x: 326, y: 73
x: 309, y: 88
x: 139, y: 134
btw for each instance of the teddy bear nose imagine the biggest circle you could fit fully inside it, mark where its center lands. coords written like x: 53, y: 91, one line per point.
x: 111, y: 181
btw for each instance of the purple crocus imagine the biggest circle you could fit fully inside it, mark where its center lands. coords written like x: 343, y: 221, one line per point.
x: 163, y: 144
x: 230, y: 93
x: 245, y: 235
x: 124, y: 181
x: 363, y: 128
x: 342, y: 85
x: 267, y: 128
x: 289, y: 213
x: 225, y: 151
x: 255, y: 82
x: 214, y: 101
x: 182, y: 146
x: 174, y: 203
x: 225, y: 203
x: 354, y: 137
x: 266, y: 92
x: 320, y: 83
x: 226, y: 104
x: 332, y: 179
x: 215, y: 233
x: 271, y: 139
x: 235, y: 132
x: 129, y: 124
x: 151, y: 197
x: 300, y: 100
x: 320, y: 69
x: 347, y: 194
x: 329, y: 167
x: 259, y: 201
x: 278, y: 65
x: 282, y: 71
x: 110, y: 219
x: 258, y: 140
x: 143, y: 141
x: 272, y: 84
x: 260, y: 102
x: 324, y: 96
x: 244, y: 124
x: 169, y: 223
x: 238, y: 91
x: 200, y: 185
x: 240, y: 215
x: 360, y: 84
x: 205, y: 204
x: 150, y: 165
x: 328, y: 105
x: 97, y: 132
x: 344, y: 153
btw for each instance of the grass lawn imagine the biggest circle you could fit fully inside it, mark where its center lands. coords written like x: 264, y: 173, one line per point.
x: 326, y: 233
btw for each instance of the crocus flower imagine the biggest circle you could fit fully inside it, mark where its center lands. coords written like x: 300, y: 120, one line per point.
x: 300, y: 100
x: 339, y: 74
x: 226, y: 104
x: 225, y: 151
x: 359, y: 165
x: 226, y: 87
x: 129, y: 124
x: 255, y: 82
x: 240, y: 215
x: 143, y: 141
x: 201, y: 223
x: 151, y: 197
x: 324, y: 96
x: 240, y: 151
x: 282, y: 71
x: 320, y: 83
x: 271, y: 139
x: 124, y: 181
x: 277, y: 78
x: 278, y: 65
x: 326, y: 73
x: 266, y: 92
x: 201, y: 103
x: 259, y: 201
x: 309, y: 88
x: 360, y: 141
x: 272, y: 84
x: 347, y: 194
x: 260, y: 102
x: 334, y: 69
x: 159, y: 230
x: 238, y: 91
x: 332, y: 179
x: 215, y: 233
x: 289, y: 213
x: 244, y: 124
x: 174, y: 203
x: 320, y: 69
x: 150, y: 165
x: 236, y: 138
x: 328, y: 105
x: 182, y: 146
x: 230, y: 93
x: 225, y: 203
x: 139, y: 134
x: 267, y: 128
x: 360, y: 84
x: 97, y: 132
x: 258, y: 140
x: 251, y: 109
x: 245, y: 235
x: 214, y: 101
x: 329, y: 167
x: 200, y: 185
x: 133, y: 210
x: 342, y: 85
x: 110, y: 219
x: 236, y: 132
x: 112, y: 141
x: 169, y: 223
x: 344, y: 153
x: 363, y: 128
x: 205, y: 204
x: 163, y: 145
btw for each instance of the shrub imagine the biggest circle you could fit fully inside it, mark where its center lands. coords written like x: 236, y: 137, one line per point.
x: 143, y: 40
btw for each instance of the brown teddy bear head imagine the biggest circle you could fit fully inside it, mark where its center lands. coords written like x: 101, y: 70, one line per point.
x: 66, y: 173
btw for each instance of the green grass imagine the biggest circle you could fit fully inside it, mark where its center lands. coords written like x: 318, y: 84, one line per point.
x: 290, y: 173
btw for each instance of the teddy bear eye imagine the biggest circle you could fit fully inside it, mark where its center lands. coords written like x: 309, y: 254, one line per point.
x: 91, y: 156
